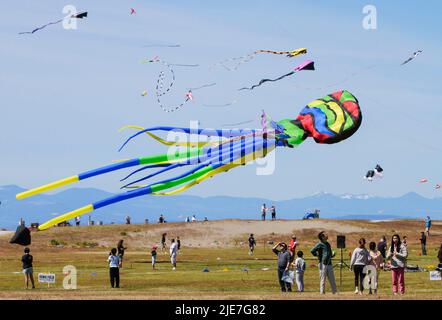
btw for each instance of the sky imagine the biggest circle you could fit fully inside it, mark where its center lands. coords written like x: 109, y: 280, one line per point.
x: 65, y: 93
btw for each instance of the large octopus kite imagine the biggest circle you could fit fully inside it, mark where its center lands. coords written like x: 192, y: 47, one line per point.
x: 329, y: 120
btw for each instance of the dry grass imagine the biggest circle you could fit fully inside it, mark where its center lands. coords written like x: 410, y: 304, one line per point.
x: 219, y: 246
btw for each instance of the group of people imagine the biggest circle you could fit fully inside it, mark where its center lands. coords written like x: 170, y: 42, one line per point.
x: 174, y: 248
x: 364, y: 263
x: 264, y: 210
x: 376, y: 257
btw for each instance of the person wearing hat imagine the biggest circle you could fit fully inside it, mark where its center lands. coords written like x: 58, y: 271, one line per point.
x: 283, y: 265
x: 153, y: 253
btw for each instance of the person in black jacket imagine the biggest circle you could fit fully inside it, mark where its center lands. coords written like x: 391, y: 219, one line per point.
x: 120, y: 249
x: 28, y: 270
x: 252, y: 244
x: 423, y: 240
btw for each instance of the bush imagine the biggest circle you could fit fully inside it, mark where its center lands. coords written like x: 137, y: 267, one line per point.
x: 86, y: 244
x: 123, y: 233
x: 56, y: 243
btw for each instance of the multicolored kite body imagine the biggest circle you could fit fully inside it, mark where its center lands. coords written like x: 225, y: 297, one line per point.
x: 328, y: 120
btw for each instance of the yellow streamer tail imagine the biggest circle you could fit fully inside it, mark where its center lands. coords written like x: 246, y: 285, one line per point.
x: 46, y: 187
x: 66, y: 216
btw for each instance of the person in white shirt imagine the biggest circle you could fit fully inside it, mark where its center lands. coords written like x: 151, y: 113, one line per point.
x: 114, y: 268
x: 173, y: 252
x: 300, y: 268
x: 263, y: 212
x: 193, y: 218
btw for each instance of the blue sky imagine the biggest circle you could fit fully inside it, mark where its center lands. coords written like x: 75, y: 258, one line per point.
x: 65, y: 93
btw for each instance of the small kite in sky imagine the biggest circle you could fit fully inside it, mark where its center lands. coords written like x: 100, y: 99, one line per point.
x: 144, y: 93
x: 376, y: 173
x: 189, y: 95
x: 132, y: 11
x: 437, y: 186
x: 423, y: 180
x: 79, y: 15
x: 306, y: 65
x: 234, y: 63
x: 415, y: 54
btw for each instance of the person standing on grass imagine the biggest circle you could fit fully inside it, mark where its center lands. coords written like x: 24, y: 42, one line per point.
x: 173, y: 252
x: 77, y: 221
x: 427, y: 225
x: 377, y: 262
x: 439, y: 256
x: 163, y: 242
x: 382, y: 246
x: 252, y: 244
x: 359, y: 259
x: 300, y: 269
x: 153, y: 254
x: 398, y: 255
x: 114, y: 268
x: 120, y: 250
x: 178, y: 243
x: 423, y: 240
x: 404, y: 241
x: 292, y: 248
x: 323, y: 251
x: 27, y: 259
x: 283, y: 265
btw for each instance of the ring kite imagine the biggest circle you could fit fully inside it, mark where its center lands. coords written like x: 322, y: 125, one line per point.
x: 328, y: 120
x: 160, y: 89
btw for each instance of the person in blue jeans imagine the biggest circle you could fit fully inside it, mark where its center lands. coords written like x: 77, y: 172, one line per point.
x: 283, y: 264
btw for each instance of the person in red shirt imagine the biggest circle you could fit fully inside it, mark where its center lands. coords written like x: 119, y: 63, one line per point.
x: 292, y: 248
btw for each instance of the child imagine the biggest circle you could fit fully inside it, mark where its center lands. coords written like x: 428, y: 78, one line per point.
x: 28, y: 271
x: 292, y: 248
x: 154, y: 256
x: 300, y: 268
x: 252, y: 244
x: 377, y: 262
x: 114, y: 268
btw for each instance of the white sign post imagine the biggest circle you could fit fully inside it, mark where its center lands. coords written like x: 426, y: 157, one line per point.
x: 435, y: 275
x: 46, y: 278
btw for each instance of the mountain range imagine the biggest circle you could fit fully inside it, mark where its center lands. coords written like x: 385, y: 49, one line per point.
x: 176, y: 208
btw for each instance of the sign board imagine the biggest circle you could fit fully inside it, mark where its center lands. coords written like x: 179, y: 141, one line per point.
x: 46, y: 277
x: 435, y: 275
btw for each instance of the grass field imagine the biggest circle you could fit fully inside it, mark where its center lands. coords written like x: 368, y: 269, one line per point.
x: 203, y: 246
